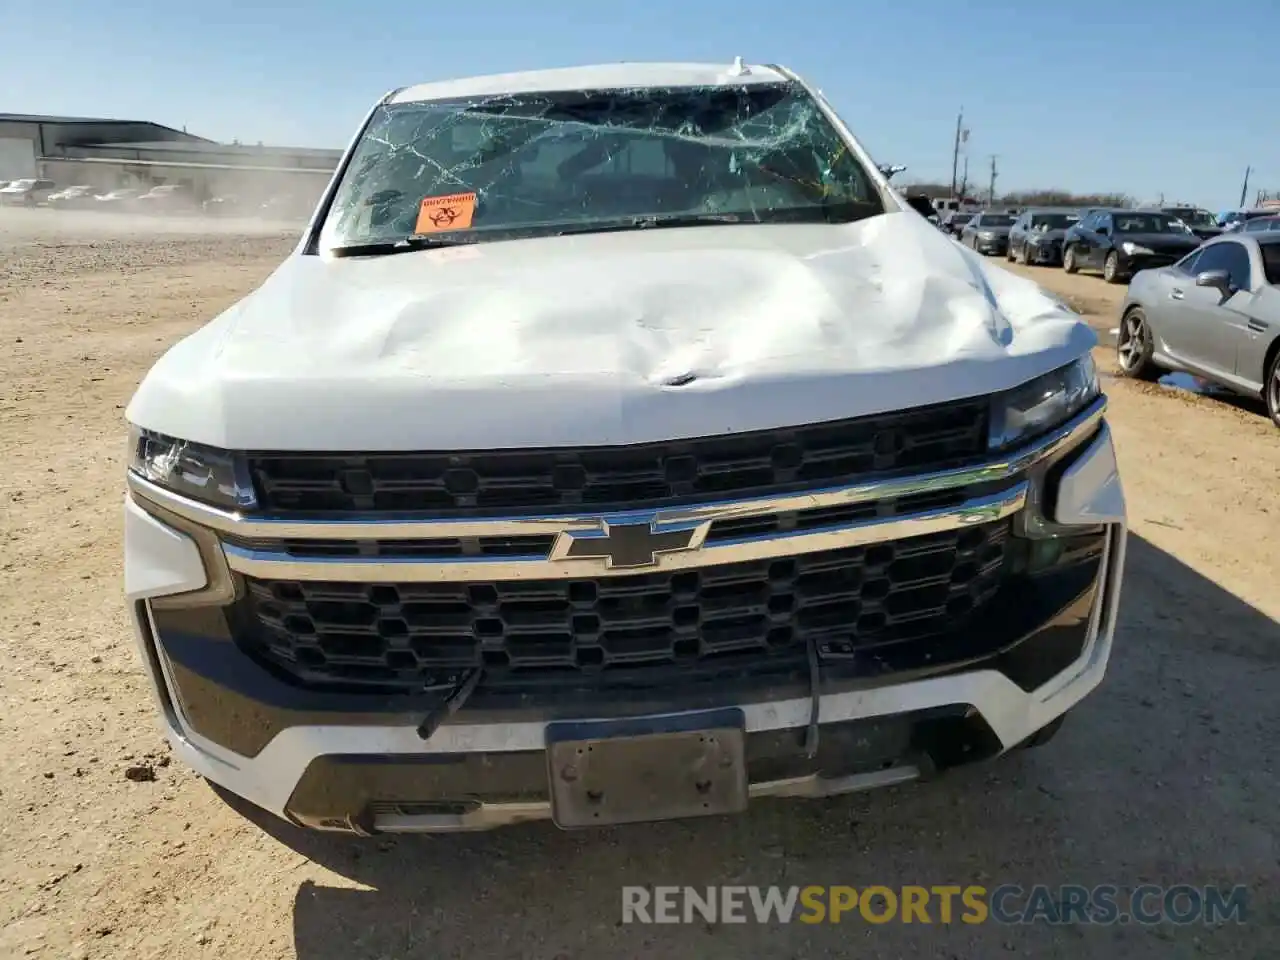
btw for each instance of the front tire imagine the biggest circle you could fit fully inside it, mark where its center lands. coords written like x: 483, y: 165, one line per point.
x: 1271, y: 389
x: 1134, y: 346
x: 1111, y: 268
x: 1069, y: 260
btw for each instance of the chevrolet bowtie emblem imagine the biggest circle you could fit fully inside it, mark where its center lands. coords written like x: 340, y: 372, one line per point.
x: 629, y: 544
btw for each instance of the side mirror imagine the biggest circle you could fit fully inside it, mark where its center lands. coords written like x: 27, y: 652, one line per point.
x: 921, y: 204
x: 1219, y: 280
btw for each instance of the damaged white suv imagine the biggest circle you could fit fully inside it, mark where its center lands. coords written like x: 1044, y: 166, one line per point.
x: 617, y: 445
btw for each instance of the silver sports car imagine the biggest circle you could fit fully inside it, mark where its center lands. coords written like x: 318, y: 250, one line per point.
x: 1215, y: 314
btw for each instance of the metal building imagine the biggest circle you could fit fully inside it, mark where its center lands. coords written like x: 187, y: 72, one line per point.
x: 107, y: 154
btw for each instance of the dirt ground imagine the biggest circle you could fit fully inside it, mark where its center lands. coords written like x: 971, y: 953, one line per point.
x: 1168, y: 774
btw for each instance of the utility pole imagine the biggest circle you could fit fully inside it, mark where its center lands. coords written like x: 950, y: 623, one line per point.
x: 964, y: 182
x: 955, y: 151
x: 1245, y: 189
x: 991, y: 197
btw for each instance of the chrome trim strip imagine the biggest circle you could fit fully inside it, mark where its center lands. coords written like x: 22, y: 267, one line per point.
x: 272, y: 565
x: 404, y: 528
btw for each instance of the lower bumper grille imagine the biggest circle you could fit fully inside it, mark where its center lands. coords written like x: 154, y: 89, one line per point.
x: 399, y: 636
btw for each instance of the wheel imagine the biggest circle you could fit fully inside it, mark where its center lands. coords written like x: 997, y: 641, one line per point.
x: 1134, y: 346
x: 1008, y: 253
x: 1024, y: 256
x: 1271, y: 389
x: 1043, y: 735
x: 1111, y: 268
x: 1069, y: 260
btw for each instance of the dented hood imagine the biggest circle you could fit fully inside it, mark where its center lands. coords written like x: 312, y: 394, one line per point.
x: 607, y: 338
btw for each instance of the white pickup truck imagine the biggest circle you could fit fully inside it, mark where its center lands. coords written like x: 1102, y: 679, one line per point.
x: 617, y: 445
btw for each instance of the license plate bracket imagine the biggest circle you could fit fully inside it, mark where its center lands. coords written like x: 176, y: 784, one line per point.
x: 645, y: 769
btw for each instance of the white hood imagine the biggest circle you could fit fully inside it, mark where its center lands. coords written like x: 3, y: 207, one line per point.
x: 570, y: 341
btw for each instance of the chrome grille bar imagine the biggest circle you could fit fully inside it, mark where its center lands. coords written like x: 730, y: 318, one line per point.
x: 271, y: 561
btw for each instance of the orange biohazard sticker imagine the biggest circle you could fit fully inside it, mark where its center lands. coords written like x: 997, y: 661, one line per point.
x: 452, y: 212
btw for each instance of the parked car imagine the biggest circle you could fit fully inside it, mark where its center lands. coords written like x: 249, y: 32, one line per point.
x: 953, y: 222
x: 988, y: 233
x: 229, y: 205
x: 1122, y: 242
x: 287, y: 206
x: 27, y: 192
x: 121, y: 199
x: 1238, y: 218
x: 1037, y: 235
x: 167, y: 198
x: 1214, y: 314
x: 72, y: 198
x: 674, y: 546
x: 1202, y: 223
x: 1261, y: 225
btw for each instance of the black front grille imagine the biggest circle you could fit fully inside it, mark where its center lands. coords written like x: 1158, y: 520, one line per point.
x: 630, y: 477
x: 404, y: 635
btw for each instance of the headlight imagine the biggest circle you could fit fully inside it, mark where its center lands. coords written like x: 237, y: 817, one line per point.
x: 192, y: 470
x: 1135, y: 249
x: 1044, y: 403
x: 1035, y: 239
x: 986, y: 235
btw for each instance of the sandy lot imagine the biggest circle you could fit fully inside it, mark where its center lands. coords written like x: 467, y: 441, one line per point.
x: 1167, y: 775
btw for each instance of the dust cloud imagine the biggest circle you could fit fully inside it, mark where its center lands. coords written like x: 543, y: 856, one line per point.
x: 22, y: 226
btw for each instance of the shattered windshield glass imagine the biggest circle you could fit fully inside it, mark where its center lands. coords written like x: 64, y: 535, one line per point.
x: 550, y: 163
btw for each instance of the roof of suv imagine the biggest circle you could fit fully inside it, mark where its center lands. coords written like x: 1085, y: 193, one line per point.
x: 608, y: 76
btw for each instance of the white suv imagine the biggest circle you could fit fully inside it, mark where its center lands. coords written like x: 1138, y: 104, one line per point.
x: 617, y: 445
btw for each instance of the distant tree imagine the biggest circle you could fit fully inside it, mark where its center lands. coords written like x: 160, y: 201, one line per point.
x: 1065, y: 198
x: 1037, y: 198
x: 935, y: 191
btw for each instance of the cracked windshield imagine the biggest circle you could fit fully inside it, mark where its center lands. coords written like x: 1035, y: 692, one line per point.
x: 594, y: 160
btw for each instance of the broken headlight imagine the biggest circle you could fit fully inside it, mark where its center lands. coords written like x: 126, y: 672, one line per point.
x: 1042, y: 404
x: 193, y: 470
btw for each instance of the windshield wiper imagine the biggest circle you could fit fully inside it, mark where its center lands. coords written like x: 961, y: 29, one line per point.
x: 381, y: 248
x: 841, y: 213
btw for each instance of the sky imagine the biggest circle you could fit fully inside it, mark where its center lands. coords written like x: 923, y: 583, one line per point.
x: 1148, y: 97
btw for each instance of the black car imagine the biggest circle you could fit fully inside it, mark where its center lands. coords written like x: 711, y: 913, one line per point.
x: 954, y: 222
x: 1202, y: 223
x: 1037, y: 235
x: 1122, y: 242
x: 988, y: 232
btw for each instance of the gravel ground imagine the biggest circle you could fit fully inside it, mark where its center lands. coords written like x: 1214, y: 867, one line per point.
x: 1166, y: 775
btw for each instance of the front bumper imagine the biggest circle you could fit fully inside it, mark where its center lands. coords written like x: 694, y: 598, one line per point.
x: 996, y: 245
x: 1129, y: 265
x: 354, y: 761
x: 1049, y: 253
